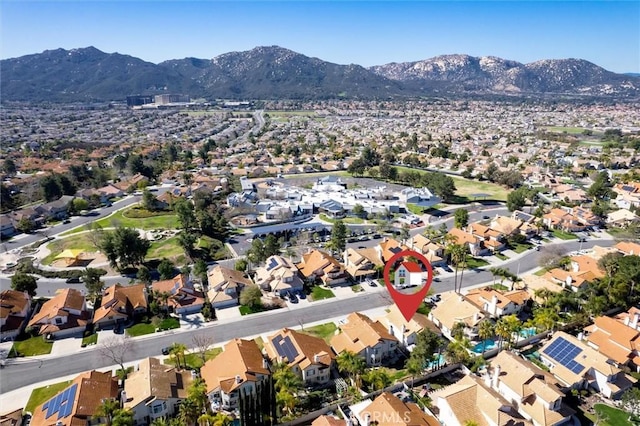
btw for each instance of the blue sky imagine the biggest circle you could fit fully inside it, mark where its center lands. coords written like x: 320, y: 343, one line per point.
x: 362, y: 32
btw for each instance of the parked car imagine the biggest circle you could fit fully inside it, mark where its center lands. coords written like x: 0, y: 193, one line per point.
x: 66, y: 221
x: 302, y: 295
x: 74, y: 280
x: 293, y: 298
x: 166, y: 350
x: 377, y: 236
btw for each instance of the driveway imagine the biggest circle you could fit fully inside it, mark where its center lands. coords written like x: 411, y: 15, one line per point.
x: 191, y: 321
x: 66, y: 346
x: 231, y: 313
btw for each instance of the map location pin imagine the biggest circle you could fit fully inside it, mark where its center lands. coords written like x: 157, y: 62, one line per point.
x: 412, y: 273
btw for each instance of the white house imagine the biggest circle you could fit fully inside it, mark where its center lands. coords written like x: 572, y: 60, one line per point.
x: 409, y: 274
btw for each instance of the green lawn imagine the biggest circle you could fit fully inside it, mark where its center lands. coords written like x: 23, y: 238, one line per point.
x: 467, y: 187
x: 165, y: 221
x: 43, y: 394
x: 357, y: 288
x: 168, y: 248
x: 319, y: 293
x: 541, y: 272
x: 612, y: 416
x: 79, y: 242
x: 520, y: 247
x: 194, y: 360
x: 352, y: 220
x: 415, y: 209
x: 169, y: 323
x: 30, y: 347
x: 91, y: 339
x: 247, y: 310
x: 140, y: 329
x: 324, y: 331
x: 499, y: 287
x: 474, y: 262
x: 569, y: 130
x: 424, y: 309
x: 563, y: 235
x: 501, y: 256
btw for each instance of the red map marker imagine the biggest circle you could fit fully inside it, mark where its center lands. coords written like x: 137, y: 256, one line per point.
x: 407, y: 303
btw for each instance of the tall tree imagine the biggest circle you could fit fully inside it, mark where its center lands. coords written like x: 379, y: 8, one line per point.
x: 339, y: 236
x: 24, y: 282
x: 117, y: 349
x: 124, y: 247
x: 461, y: 218
x: 91, y: 278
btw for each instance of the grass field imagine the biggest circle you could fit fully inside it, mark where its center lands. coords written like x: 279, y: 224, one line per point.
x: 520, y: 247
x: 168, y: 248
x: 32, y: 346
x: 569, y: 130
x: 79, y: 242
x: 324, y: 331
x: 352, y: 220
x: 43, y: 394
x: 319, y: 293
x: 281, y: 115
x: 166, y: 221
x: 474, y: 262
x: 610, y: 416
x: 194, y: 360
x: 467, y: 187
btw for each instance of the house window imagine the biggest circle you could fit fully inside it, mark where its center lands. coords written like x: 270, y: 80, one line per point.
x: 311, y: 372
x: 157, y: 409
x: 58, y: 320
x: 401, y: 273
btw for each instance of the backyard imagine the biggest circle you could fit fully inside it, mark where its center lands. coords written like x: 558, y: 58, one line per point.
x: 609, y: 416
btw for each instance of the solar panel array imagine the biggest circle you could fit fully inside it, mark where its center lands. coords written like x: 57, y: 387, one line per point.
x: 61, y: 403
x: 565, y: 352
x: 285, y: 347
x: 272, y: 264
x: 628, y: 188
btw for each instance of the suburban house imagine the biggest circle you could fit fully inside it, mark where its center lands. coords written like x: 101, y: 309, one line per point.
x: 325, y: 420
x: 237, y: 369
x: 506, y: 225
x: 387, y: 409
x: 154, y: 390
x: 628, y: 194
x: 421, y: 197
x: 628, y: 248
x: 630, y: 318
x: 620, y: 342
x: 110, y: 191
x: 497, y: 303
x: 470, y: 400
x: 535, y: 393
x: 456, y: 308
x: 406, y: 332
x: 7, y: 226
x: 225, y: 286
x: 319, y: 265
x: 388, y: 248
x: 56, y: 210
x: 582, y: 270
x: 490, y: 238
x: 309, y: 357
x: 366, y: 338
x: 622, y: 217
x: 120, y: 304
x: 432, y: 251
x: 63, y: 315
x: 278, y: 276
x: 570, y: 219
x: 78, y: 403
x: 458, y: 236
x: 183, y: 299
x: 15, y: 307
x: 579, y: 366
x: 409, y: 274
x: 361, y: 263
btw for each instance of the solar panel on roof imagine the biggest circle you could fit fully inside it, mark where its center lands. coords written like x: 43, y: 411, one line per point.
x: 272, y: 264
x: 564, y: 352
x: 62, y: 403
x: 627, y: 188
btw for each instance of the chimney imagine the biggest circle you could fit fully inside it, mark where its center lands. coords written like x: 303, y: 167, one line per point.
x: 265, y: 364
x: 123, y: 398
x: 238, y: 379
x: 496, y: 377
x: 494, y: 303
x: 316, y: 358
x: 636, y: 320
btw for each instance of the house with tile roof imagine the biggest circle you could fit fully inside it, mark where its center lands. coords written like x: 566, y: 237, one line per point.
x: 620, y: 342
x: 78, y: 403
x: 628, y: 194
x: 63, y: 315
x: 630, y: 318
x: 498, y: 303
x: 535, y: 393
x: 582, y: 270
x: 320, y: 265
x: 388, y: 248
x: 184, y: 298
x: 622, y: 217
x: 570, y: 219
x: 459, y: 236
x: 456, y: 308
x: 628, y: 248
x: 310, y: 357
x: 278, y: 276
x: 388, y: 410
x: 328, y: 421
x: 406, y: 331
x: 367, y: 338
x: 15, y: 307
x: 238, y: 368
x: 579, y: 366
x: 361, y: 263
x: 225, y: 286
x: 432, y: 251
x: 120, y: 304
x: 154, y: 390
x: 491, y: 239
x: 470, y: 400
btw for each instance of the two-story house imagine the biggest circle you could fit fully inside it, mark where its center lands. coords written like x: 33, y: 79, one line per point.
x: 362, y: 263
x: 120, y: 304
x: 237, y: 369
x: 154, y: 390
x: 409, y: 274
x: 63, y: 315
x: 388, y: 248
x: 490, y: 238
x: 406, y: 331
x: 310, y: 357
x: 498, y: 303
x: 462, y: 237
x: 582, y: 270
x: 279, y: 276
x: 15, y: 307
x: 388, y: 409
x: 456, y: 308
x: 184, y: 298
x: 535, y: 393
x: 366, y: 338
x: 432, y: 251
x: 78, y: 403
x: 578, y: 366
x: 56, y: 210
x: 617, y: 340
x: 319, y: 265
x: 225, y: 286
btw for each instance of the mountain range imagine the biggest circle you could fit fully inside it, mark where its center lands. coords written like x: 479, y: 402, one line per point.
x: 273, y: 72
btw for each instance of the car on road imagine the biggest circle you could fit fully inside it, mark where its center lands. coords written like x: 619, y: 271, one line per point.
x: 66, y: 221
x: 376, y: 236
x: 485, y: 217
x: 74, y: 280
x: 166, y: 350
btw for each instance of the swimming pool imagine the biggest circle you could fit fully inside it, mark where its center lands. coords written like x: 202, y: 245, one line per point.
x: 528, y: 332
x: 437, y: 363
x: 485, y: 345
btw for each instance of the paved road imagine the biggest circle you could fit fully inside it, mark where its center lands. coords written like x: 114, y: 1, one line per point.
x: 25, y: 372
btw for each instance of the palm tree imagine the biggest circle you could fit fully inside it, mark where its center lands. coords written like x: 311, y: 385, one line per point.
x: 178, y: 351
x: 502, y: 331
x: 219, y: 419
x: 351, y: 364
x: 458, y: 351
x: 458, y: 253
x: 286, y: 400
x: 122, y: 418
x: 106, y: 410
x: 377, y: 379
x: 486, y: 330
x: 285, y: 379
x: 544, y: 294
x: 507, y: 326
x: 414, y: 367
x: 189, y: 411
x: 545, y: 318
x: 160, y: 421
x: 457, y: 332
